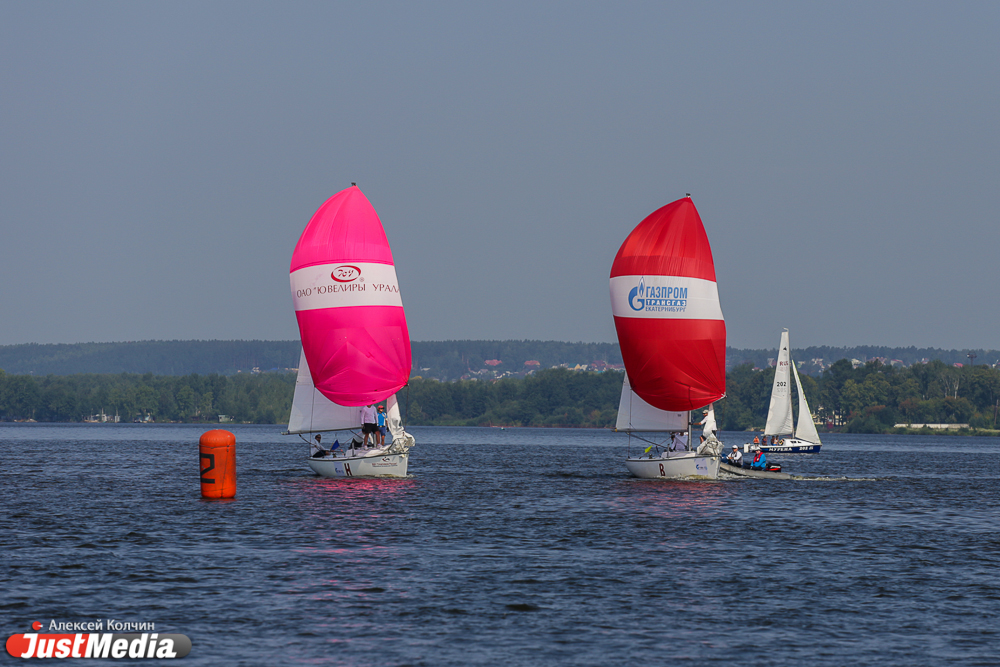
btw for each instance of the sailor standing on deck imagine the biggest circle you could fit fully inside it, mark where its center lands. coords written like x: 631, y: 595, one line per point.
x: 369, y: 423
x: 380, y: 436
x: 705, y: 432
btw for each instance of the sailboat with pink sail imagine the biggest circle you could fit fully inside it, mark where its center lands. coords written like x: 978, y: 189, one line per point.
x: 355, y: 342
x: 672, y: 334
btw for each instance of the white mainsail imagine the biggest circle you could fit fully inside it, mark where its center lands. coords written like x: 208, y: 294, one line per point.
x: 805, y: 429
x: 779, y: 412
x: 635, y: 414
x: 312, y: 411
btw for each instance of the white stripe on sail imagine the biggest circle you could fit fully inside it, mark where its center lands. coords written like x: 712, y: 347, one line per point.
x: 665, y: 297
x: 345, y: 284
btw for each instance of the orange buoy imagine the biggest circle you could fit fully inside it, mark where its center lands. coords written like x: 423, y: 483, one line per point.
x: 217, y: 449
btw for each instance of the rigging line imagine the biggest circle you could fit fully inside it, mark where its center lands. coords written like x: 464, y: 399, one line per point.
x: 655, y: 444
x: 629, y: 450
x: 312, y: 401
x: 406, y: 414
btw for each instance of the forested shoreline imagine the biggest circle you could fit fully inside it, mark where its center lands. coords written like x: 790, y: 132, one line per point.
x: 871, y: 398
x: 444, y: 360
x: 258, y: 399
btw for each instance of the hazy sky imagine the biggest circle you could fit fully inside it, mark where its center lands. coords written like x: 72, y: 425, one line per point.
x: 159, y: 161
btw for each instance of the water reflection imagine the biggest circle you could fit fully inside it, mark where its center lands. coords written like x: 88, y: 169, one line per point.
x: 320, y: 494
x: 543, y: 552
x: 670, y: 498
x: 359, y: 488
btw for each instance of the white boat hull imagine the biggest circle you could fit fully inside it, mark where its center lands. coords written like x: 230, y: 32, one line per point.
x: 376, y: 465
x: 687, y: 465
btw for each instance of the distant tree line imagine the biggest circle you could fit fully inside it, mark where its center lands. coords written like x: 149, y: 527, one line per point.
x: 452, y: 359
x: 555, y: 397
x: 444, y: 360
x: 447, y: 360
x: 160, y: 357
x: 864, y: 353
x: 259, y: 399
x: 552, y: 397
x: 870, y: 398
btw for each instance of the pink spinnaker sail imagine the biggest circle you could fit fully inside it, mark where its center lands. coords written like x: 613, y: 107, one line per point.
x: 348, y: 305
x: 665, y: 302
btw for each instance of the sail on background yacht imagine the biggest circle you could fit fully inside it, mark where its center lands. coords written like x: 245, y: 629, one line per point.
x: 779, y: 412
x: 672, y: 334
x: 355, y: 342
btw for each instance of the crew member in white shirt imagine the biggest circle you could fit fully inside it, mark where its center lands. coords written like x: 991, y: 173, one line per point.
x: 369, y: 423
x: 678, y: 442
x: 317, y: 451
x: 735, y: 457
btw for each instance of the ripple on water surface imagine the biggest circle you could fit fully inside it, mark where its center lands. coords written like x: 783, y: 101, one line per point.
x: 519, y: 546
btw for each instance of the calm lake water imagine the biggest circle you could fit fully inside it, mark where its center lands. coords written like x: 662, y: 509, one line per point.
x: 513, y: 547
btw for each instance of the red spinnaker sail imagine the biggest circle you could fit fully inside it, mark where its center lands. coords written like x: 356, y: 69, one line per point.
x: 348, y: 305
x: 665, y: 302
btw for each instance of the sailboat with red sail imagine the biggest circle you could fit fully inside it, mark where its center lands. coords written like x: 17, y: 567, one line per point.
x: 355, y: 342
x: 672, y: 334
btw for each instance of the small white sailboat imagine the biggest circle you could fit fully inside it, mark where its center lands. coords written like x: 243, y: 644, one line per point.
x: 665, y: 303
x: 803, y: 439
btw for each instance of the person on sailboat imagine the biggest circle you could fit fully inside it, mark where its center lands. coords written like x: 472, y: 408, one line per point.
x: 369, y: 423
x: 759, y: 459
x: 381, y: 425
x: 704, y: 418
x: 317, y: 451
x: 678, y: 442
x: 735, y: 457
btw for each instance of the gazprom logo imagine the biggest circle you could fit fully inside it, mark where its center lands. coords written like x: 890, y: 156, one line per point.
x: 637, y: 294
x: 658, y: 298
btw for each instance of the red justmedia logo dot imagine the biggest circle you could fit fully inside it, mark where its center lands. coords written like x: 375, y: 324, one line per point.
x: 36, y: 626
